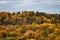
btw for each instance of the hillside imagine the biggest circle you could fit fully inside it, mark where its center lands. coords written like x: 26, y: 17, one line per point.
x: 29, y: 25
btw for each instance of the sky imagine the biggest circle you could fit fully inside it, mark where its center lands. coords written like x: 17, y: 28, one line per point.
x: 49, y: 6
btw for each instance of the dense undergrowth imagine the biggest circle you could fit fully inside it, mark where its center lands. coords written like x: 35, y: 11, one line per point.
x: 29, y: 25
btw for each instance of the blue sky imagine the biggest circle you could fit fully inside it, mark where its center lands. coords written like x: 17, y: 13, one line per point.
x: 50, y: 6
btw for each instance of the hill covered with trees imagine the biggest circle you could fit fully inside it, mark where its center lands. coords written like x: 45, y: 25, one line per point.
x: 29, y: 25
x: 28, y: 17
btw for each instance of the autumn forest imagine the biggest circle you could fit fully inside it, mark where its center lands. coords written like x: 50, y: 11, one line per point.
x: 29, y: 25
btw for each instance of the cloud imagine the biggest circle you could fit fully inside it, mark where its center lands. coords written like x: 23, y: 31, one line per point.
x: 3, y: 2
x: 51, y: 2
x: 38, y: 5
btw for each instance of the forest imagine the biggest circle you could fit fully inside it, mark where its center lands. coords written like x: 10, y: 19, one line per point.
x: 29, y: 25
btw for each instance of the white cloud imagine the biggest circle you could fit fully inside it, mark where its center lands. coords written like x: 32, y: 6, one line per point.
x: 52, y: 2
x: 29, y: 2
x: 26, y: 1
x: 3, y: 2
x: 38, y: 5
